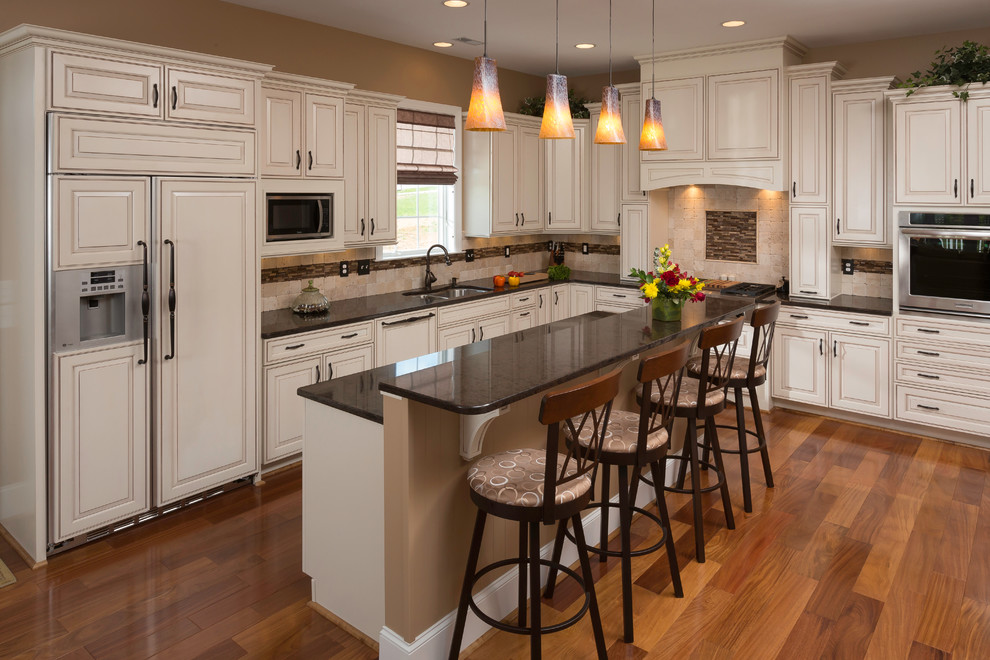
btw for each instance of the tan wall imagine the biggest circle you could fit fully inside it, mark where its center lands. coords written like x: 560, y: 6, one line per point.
x: 590, y: 87
x: 291, y: 45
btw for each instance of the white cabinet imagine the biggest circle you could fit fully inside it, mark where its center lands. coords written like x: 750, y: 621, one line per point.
x: 809, y: 252
x: 103, y: 84
x: 799, y: 369
x: 405, y: 336
x: 634, y: 241
x: 978, y: 150
x: 209, y: 97
x: 858, y: 147
x: 457, y: 335
x: 544, y: 306
x: 284, y: 408
x: 281, y: 133
x: 98, y: 221
x: 928, y: 156
x: 100, y: 452
x: 302, y: 133
x: 206, y: 441
x: 860, y: 374
x: 582, y: 299
x: 682, y: 105
x: 742, y: 115
x: 369, y: 173
x: 531, y: 178
x: 631, y: 190
x: 566, y: 181
x: 347, y: 361
x: 606, y: 181
x: 809, y: 97
x: 324, y: 136
x: 560, y: 302
x: 527, y: 318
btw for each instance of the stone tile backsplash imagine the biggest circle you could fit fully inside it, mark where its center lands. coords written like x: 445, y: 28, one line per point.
x: 873, y: 272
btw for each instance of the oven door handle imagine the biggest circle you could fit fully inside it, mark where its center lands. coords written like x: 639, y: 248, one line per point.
x: 946, y: 233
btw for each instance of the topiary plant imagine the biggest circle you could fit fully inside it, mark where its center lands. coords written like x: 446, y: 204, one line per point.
x: 533, y: 106
x: 960, y: 66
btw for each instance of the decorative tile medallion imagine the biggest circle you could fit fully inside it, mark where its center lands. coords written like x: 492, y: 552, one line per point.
x: 731, y: 236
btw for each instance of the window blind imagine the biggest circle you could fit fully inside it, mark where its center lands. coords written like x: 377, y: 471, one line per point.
x: 425, y: 148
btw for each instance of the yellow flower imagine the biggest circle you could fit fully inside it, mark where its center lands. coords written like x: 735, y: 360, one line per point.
x: 650, y: 290
x: 683, y: 285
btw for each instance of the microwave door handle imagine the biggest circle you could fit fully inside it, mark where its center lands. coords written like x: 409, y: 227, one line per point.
x: 319, y: 216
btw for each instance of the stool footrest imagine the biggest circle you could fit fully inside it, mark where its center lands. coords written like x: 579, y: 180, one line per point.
x: 618, y: 553
x: 749, y: 450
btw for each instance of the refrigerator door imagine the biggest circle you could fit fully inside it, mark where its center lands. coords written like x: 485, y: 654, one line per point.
x: 206, y: 304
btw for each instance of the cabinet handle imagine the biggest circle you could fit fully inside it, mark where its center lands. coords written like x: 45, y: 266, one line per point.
x: 821, y: 347
x: 972, y: 188
x: 298, y: 158
x: 524, y: 299
x: 175, y: 96
x: 798, y: 316
x: 930, y: 376
x: 372, y: 233
x: 928, y: 353
x: 618, y: 218
x: 481, y: 334
x: 863, y: 323
x: 524, y: 314
x: 523, y: 214
x: 838, y: 229
x: 362, y: 226
x: 541, y: 301
x: 549, y: 218
x: 955, y: 188
x: 294, y: 347
x: 814, y: 292
x: 924, y: 407
x: 928, y: 331
x: 350, y: 336
x: 794, y: 189
x: 619, y: 295
x: 556, y: 297
x: 330, y: 367
x: 154, y: 95
x: 317, y: 373
x: 411, y: 319
x: 172, y: 301
x: 835, y: 348
x: 145, y: 298
x: 310, y: 159
x: 473, y: 335
x: 517, y: 219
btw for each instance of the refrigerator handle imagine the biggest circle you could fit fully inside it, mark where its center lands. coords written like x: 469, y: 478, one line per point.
x: 171, y: 298
x: 145, y: 300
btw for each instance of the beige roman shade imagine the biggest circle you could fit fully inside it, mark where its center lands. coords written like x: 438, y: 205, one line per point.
x: 425, y: 148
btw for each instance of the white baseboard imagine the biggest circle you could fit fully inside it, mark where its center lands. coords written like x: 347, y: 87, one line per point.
x: 498, y: 599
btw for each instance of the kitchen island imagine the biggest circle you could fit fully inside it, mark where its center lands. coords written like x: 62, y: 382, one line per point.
x: 386, y: 513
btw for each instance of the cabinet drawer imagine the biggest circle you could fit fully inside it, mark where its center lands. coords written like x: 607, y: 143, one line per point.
x: 944, y: 355
x: 958, y: 412
x: 295, y: 346
x: 614, y: 308
x: 81, y: 82
x: 810, y: 318
x: 940, y: 331
x: 468, y: 311
x: 196, y: 96
x: 939, y: 376
x: 630, y: 297
x: 523, y: 299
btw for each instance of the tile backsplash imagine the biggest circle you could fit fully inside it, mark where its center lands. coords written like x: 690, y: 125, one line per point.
x: 873, y: 272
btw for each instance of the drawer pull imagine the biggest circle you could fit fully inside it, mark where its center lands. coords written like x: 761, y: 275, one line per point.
x: 620, y: 295
x: 317, y: 373
x: 797, y: 316
x: 821, y: 347
x: 928, y: 331
x: 294, y: 347
x: 928, y: 353
x: 863, y: 323
x: 930, y: 376
x: 524, y: 314
x: 411, y: 319
x: 813, y: 293
x: 524, y: 299
x: 350, y: 336
x: 924, y: 407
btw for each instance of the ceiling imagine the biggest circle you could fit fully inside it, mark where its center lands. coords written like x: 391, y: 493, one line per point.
x: 521, y: 32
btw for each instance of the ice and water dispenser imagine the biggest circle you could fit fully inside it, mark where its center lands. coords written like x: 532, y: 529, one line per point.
x: 97, y: 307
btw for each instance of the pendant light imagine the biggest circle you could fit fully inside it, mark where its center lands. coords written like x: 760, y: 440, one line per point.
x: 557, y: 122
x: 610, y: 120
x: 653, y: 138
x: 485, y: 110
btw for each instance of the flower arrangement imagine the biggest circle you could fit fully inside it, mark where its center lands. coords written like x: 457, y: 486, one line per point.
x: 667, y: 286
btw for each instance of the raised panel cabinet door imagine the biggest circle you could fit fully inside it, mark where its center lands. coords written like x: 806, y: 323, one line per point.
x: 197, y: 96
x: 799, y: 365
x: 347, y: 362
x: 494, y: 327
x: 531, y: 173
x: 978, y: 151
x: 742, y: 115
x: 355, y: 175
x: 324, y: 155
x: 630, y: 188
x: 634, y: 243
x: 565, y: 193
x: 927, y: 156
x: 606, y: 181
x: 405, y: 336
x: 682, y: 106
x: 101, y: 439
x: 560, y: 302
x: 860, y: 374
x: 461, y: 334
x: 284, y: 408
x: 859, y: 168
x: 544, y: 306
x: 281, y: 133
x: 505, y: 214
x: 809, y: 140
x: 81, y: 82
x: 208, y: 351
x: 99, y: 220
x: 582, y: 299
x: 381, y: 175
x: 809, y: 251
x: 525, y: 319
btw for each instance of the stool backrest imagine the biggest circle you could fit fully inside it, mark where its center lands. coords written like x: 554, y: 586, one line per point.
x: 579, y: 409
x: 663, y: 373
x: 718, y: 343
x: 764, y: 320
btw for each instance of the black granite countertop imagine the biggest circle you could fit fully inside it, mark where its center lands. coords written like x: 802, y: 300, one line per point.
x: 487, y: 375
x: 283, y: 322
x: 845, y: 303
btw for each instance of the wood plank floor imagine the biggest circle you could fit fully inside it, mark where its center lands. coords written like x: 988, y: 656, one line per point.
x: 873, y: 544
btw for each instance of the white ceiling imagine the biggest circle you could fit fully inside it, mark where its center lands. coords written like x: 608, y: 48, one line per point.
x: 521, y: 32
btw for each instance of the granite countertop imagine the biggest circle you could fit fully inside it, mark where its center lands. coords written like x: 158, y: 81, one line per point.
x: 283, y: 322
x: 844, y: 303
x: 487, y: 375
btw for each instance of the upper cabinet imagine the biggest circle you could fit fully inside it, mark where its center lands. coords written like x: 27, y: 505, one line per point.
x: 978, y: 150
x: 302, y: 130
x: 743, y: 115
x: 682, y: 104
x: 566, y: 181
x: 207, y: 97
x: 615, y: 167
x: 810, y: 149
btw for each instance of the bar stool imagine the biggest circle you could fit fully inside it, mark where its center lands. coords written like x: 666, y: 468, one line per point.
x: 511, y: 485
x: 700, y: 400
x: 749, y: 373
x: 634, y: 441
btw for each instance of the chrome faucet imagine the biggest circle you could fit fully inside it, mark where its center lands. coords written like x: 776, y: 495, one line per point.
x: 430, y: 277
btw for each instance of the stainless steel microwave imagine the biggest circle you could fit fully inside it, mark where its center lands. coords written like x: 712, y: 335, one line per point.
x: 298, y: 216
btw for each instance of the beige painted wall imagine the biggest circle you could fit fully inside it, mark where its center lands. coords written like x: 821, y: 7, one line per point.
x: 291, y: 45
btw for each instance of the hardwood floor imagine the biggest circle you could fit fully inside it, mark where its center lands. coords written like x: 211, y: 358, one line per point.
x: 873, y: 544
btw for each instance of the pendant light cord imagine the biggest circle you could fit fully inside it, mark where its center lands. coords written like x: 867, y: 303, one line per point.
x: 653, y: 48
x: 609, y: 43
x: 486, y: 29
x: 556, y: 40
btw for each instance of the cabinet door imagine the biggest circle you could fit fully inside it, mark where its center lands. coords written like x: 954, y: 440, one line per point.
x: 742, y: 115
x: 531, y: 173
x: 582, y: 299
x: 809, y: 140
x: 195, y: 96
x: 355, y: 175
x: 565, y: 162
x: 206, y: 441
x: 544, y: 306
x: 682, y: 106
x: 798, y: 372
x: 809, y: 251
x: 457, y: 335
x: 634, y: 245
x: 860, y: 374
x: 284, y: 408
x: 99, y: 220
x: 560, y: 301
x: 494, y: 327
x: 281, y: 133
x: 347, y: 362
x: 505, y: 213
x: 324, y: 155
x: 381, y: 175
x: 405, y: 336
x: 927, y: 159
x: 978, y: 151
x: 630, y: 189
x: 859, y: 168
x: 606, y: 181
x: 525, y: 319
x: 101, y: 439
x: 97, y: 84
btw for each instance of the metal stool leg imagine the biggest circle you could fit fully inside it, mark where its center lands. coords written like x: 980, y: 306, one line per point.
x: 606, y: 497
x: 472, y: 566
x: 691, y: 446
x: 558, y: 548
x: 743, y: 454
x: 761, y: 436
x: 675, y: 572
x: 535, y: 649
x: 625, y: 527
x: 720, y: 466
x: 523, y: 595
x: 589, y: 580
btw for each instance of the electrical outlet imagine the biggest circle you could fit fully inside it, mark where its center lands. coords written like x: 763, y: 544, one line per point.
x: 344, y: 269
x: 468, y: 256
x: 364, y: 266
x: 549, y: 246
x: 847, y: 267
x: 506, y: 251
x: 585, y: 249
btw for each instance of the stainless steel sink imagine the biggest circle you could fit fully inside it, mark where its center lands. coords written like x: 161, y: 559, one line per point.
x: 447, y: 292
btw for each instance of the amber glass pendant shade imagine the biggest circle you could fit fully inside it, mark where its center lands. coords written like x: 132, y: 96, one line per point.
x: 485, y: 110
x: 653, y: 138
x: 610, y: 121
x: 557, y: 122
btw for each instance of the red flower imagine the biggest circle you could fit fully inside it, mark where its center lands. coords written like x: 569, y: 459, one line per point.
x: 670, y: 278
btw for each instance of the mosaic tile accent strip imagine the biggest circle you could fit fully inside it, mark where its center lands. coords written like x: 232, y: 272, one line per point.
x: 731, y: 236
x: 875, y: 267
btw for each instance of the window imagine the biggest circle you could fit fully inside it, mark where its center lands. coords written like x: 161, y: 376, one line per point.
x: 423, y: 217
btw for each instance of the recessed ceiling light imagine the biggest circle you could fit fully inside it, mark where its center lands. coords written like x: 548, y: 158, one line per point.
x: 584, y: 46
x: 455, y: 3
x: 733, y: 23
x: 442, y: 44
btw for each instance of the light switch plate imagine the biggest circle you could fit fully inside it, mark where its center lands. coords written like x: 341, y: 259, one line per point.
x: 468, y: 256
x: 364, y: 266
x: 585, y: 249
x: 506, y: 251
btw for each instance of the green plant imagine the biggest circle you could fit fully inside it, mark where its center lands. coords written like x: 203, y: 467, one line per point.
x: 533, y: 106
x: 959, y: 66
x: 560, y: 272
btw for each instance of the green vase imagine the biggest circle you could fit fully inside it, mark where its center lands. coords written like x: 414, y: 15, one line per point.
x: 666, y: 309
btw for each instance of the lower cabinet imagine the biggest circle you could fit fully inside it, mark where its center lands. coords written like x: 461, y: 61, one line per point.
x: 284, y: 408
x: 525, y: 319
x: 799, y: 371
x: 860, y: 374
x: 405, y: 336
x: 347, y: 362
x: 810, y: 248
x: 544, y: 306
x: 468, y: 333
x: 582, y: 299
x: 560, y: 302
